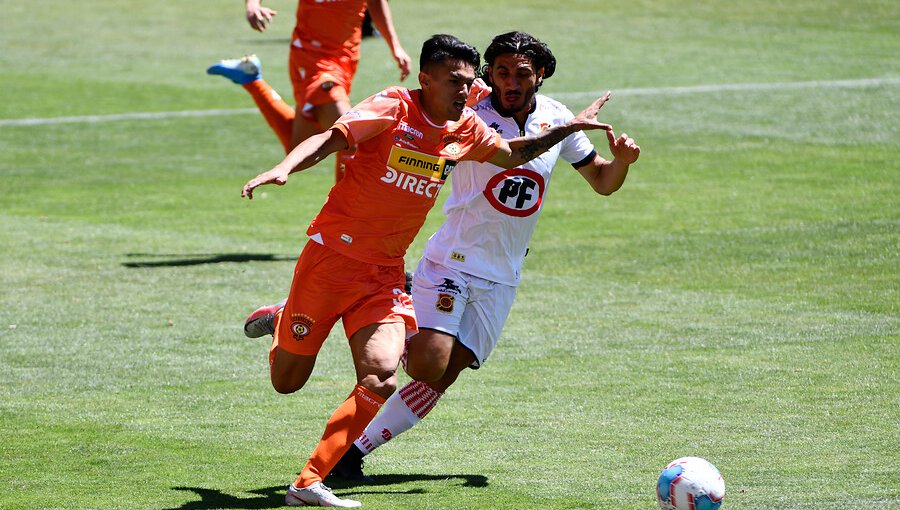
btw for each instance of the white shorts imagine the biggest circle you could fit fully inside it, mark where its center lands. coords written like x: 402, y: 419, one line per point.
x: 472, y: 309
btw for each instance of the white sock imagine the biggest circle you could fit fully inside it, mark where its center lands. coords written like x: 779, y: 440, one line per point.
x: 400, y: 413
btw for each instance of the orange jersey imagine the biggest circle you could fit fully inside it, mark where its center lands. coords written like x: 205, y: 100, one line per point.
x: 333, y: 27
x: 402, y: 160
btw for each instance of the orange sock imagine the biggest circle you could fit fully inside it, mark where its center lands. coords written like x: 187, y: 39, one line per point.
x: 345, y: 425
x: 276, y: 111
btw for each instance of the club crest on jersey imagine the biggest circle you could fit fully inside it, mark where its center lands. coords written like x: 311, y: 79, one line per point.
x: 444, y: 303
x: 417, y: 172
x: 516, y: 192
x: 301, y: 325
x: 452, y: 144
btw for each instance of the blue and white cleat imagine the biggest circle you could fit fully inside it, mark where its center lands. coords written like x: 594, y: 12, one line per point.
x: 239, y: 70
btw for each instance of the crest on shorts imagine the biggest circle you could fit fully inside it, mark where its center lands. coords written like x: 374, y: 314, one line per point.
x: 301, y: 324
x: 444, y: 303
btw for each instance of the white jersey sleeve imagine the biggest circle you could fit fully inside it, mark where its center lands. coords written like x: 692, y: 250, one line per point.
x: 492, y: 212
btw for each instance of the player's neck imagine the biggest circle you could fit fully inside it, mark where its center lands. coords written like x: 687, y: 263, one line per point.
x: 432, y: 112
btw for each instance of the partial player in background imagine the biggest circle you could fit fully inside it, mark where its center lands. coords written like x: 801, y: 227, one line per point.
x: 351, y: 269
x: 324, y: 54
x: 464, y: 286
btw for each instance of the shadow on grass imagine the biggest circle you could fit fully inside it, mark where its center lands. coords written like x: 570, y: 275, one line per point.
x: 203, y: 258
x: 273, y: 497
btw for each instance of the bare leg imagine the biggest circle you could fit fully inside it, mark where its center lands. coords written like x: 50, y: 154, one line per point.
x: 289, y: 372
x: 376, y: 352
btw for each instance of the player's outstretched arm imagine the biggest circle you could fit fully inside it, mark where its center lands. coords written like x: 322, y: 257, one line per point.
x: 606, y: 177
x: 517, y: 151
x: 311, y: 151
x: 259, y: 16
x: 381, y: 18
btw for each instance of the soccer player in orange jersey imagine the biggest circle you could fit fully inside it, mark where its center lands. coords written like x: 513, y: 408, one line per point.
x: 324, y: 54
x: 408, y: 142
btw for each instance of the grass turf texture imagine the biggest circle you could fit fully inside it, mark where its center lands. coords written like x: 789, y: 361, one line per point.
x: 736, y: 300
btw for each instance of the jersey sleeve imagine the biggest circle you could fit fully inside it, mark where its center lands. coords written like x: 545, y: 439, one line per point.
x: 576, y: 148
x: 485, y: 141
x: 370, y: 117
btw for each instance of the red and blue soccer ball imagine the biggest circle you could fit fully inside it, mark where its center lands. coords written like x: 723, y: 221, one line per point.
x: 690, y: 483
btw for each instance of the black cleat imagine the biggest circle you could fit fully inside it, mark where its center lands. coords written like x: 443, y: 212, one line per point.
x: 408, y: 286
x: 350, y: 467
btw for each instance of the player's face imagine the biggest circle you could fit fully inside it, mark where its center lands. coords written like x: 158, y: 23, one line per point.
x: 445, y: 86
x: 514, y: 81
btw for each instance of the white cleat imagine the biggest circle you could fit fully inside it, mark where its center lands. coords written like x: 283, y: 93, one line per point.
x: 317, y: 494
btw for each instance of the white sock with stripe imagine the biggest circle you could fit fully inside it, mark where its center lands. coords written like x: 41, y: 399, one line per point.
x: 400, y: 413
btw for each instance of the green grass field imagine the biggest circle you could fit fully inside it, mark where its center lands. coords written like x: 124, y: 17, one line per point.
x: 737, y: 299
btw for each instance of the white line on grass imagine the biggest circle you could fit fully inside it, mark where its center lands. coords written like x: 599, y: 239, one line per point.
x: 651, y: 91
x: 89, y: 119
x: 736, y: 87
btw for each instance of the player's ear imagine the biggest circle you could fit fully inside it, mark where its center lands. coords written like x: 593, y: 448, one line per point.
x: 424, y: 80
x: 540, y: 77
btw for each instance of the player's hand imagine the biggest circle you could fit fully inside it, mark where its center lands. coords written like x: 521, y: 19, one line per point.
x: 587, y: 119
x: 273, y: 176
x: 403, y: 62
x: 259, y: 16
x: 477, y: 92
x: 623, y: 148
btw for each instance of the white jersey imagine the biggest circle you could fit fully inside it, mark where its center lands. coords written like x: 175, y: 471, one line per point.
x: 492, y: 212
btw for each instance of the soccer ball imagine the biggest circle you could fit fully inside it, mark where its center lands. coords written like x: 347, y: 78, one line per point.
x: 690, y: 483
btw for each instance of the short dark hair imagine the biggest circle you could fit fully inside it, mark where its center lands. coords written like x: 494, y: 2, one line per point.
x: 441, y: 47
x: 520, y: 43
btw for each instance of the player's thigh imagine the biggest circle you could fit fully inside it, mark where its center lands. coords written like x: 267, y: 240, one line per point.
x: 288, y: 371
x: 376, y: 351
x: 461, y: 358
x: 303, y: 128
x: 328, y: 113
x: 428, y: 354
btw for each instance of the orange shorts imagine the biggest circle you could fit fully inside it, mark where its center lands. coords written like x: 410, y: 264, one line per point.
x: 329, y: 286
x: 319, y: 78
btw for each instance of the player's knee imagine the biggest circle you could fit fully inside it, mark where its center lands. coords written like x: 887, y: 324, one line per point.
x: 383, y: 383
x: 284, y: 387
x: 423, y: 370
x: 286, y: 383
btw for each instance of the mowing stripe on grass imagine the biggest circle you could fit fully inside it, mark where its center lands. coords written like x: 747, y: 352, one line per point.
x: 736, y: 87
x: 650, y: 91
x: 90, y: 119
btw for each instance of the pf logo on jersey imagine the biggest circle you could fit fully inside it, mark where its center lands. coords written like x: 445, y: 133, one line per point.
x: 516, y: 192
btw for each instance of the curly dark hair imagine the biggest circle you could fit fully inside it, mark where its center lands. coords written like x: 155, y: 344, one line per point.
x: 443, y: 46
x: 519, y: 43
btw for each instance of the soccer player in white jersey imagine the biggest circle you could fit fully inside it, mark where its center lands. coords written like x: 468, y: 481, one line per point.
x: 465, y: 284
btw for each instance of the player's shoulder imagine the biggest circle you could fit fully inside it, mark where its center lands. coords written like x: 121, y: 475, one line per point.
x: 395, y: 92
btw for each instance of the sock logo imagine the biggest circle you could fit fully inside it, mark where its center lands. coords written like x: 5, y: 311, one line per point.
x: 386, y: 434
